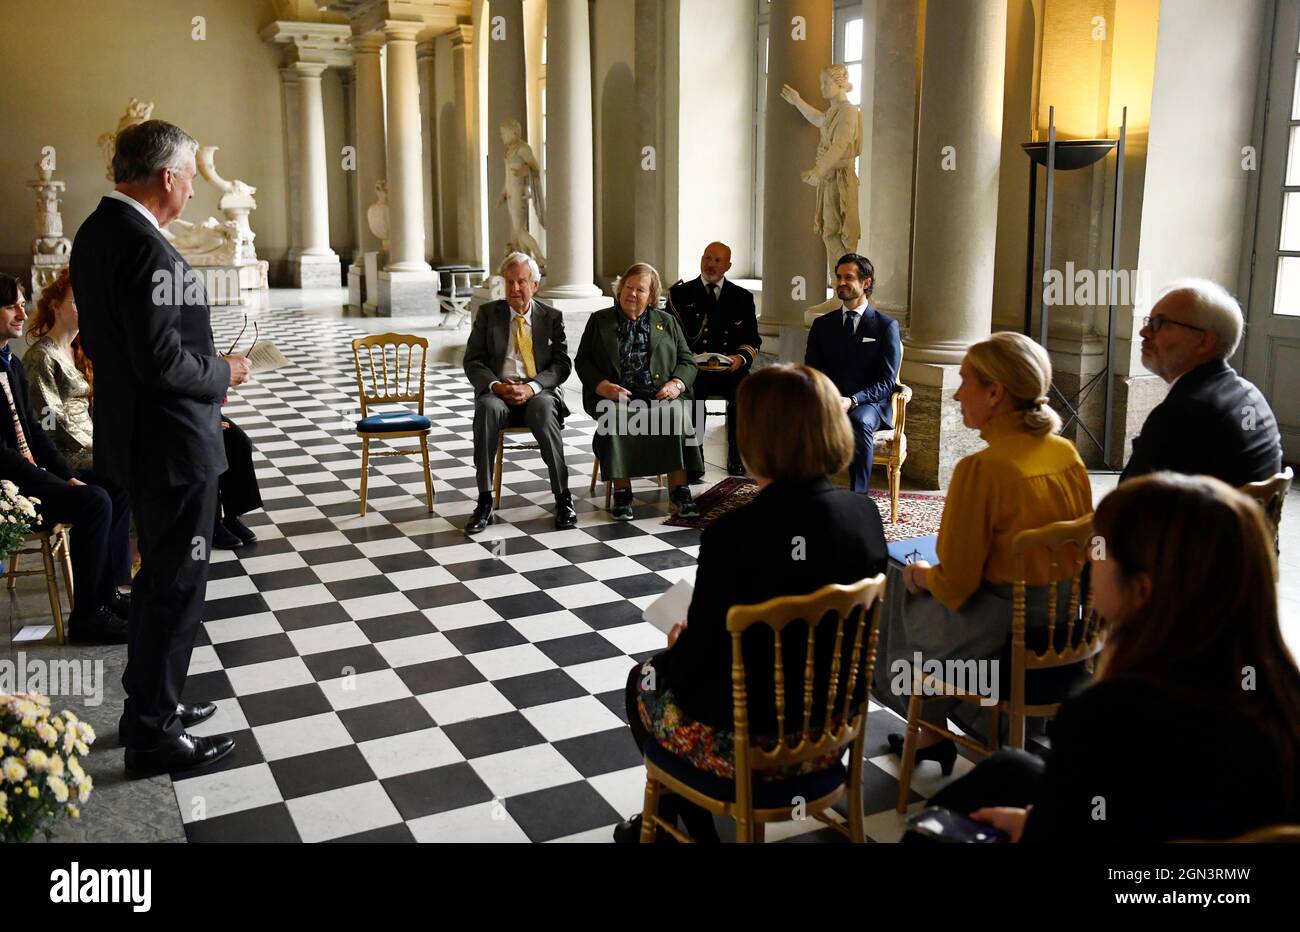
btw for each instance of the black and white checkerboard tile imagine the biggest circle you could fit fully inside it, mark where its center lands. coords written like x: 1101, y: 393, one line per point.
x: 389, y: 678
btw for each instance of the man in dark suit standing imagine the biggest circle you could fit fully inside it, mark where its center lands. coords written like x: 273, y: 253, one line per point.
x: 517, y: 361
x: 159, y: 384
x: 1213, y: 422
x: 858, y: 347
x: 98, y: 510
x: 718, y: 316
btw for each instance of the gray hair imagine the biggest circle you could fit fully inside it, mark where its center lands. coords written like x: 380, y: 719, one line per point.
x: 142, y: 149
x: 1211, y: 306
x: 520, y: 258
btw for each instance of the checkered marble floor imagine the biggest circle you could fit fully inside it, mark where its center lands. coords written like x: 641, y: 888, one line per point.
x: 389, y: 678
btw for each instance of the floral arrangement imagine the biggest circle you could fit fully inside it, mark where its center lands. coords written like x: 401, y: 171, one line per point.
x: 41, y: 777
x: 17, y: 517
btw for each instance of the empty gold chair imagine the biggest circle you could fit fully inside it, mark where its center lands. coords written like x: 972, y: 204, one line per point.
x: 386, y: 374
x: 50, y: 544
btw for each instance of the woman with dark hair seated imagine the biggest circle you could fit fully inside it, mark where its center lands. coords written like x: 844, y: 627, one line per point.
x: 798, y: 534
x: 1191, y: 729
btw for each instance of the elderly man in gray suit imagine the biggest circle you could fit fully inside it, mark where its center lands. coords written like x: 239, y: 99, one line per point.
x: 517, y: 361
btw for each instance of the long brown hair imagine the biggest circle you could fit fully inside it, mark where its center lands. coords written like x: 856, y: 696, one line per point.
x: 1212, y: 616
x: 43, y: 322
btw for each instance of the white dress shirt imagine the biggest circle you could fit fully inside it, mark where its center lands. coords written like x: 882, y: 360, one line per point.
x: 127, y: 199
x: 513, y: 366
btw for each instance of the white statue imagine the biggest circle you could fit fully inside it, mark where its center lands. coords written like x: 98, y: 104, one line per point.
x: 50, y: 248
x: 136, y: 112
x: 523, y: 183
x: 835, y: 173
x: 377, y: 214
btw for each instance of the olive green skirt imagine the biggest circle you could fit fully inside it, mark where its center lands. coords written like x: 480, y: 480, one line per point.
x: 639, y: 439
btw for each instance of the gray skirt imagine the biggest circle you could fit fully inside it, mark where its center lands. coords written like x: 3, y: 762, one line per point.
x: 970, y: 645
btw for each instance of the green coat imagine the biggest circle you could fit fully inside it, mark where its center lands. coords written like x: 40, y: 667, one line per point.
x: 622, y: 456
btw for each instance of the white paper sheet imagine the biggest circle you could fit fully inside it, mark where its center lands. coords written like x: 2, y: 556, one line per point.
x: 671, y: 607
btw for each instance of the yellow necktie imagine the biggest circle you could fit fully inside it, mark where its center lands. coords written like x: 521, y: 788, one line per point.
x: 524, y: 343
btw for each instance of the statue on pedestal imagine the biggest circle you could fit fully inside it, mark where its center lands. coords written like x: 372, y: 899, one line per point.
x: 377, y: 215
x: 50, y: 248
x: 523, y: 183
x: 136, y: 112
x: 835, y: 173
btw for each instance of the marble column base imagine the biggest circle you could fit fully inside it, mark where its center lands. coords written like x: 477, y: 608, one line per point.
x: 408, y: 294
x: 356, y: 284
x: 373, y: 264
x: 316, y: 271
x: 936, y: 437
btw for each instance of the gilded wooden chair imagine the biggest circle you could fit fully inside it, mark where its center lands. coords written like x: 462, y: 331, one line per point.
x: 386, y: 374
x: 51, y: 545
x: 609, y: 486
x: 501, y: 455
x: 890, y: 448
x: 1038, y: 681
x: 754, y: 803
x: 1271, y: 494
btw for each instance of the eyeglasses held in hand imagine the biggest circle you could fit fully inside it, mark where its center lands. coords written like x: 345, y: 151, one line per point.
x: 256, y: 333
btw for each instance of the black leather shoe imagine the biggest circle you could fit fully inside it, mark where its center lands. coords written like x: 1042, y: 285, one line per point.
x: 191, y: 715
x: 222, y: 539
x: 944, y: 753
x: 239, y: 529
x: 482, y: 515
x: 681, y: 503
x: 103, y: 627
x: 622, y: 510
x: 735, y: 468
x: 566, y: 516
x: 119, y: 603
x: 184, y: 752
x: 628, y: 832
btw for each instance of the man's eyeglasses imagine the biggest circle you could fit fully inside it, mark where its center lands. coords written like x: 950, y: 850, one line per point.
x: 256, y: 333
x: 1155, y: 323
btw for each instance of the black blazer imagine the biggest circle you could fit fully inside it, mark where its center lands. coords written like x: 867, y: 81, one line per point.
x: 1121, y: 739
x: 867, y: 369
x: 13, y: 465
x: 489, y: 340
x: 750, y: 555
x: 730, y: 326
x: 145, y: 325
x: 1214, y: 423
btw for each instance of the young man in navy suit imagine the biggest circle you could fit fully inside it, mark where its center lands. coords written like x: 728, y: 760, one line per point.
x: 859, y: 349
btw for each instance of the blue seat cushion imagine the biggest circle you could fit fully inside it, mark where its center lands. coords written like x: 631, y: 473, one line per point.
x: 768, y: 794
x: 393, y: 421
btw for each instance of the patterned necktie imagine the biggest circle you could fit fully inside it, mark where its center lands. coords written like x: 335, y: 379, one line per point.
x: 850, y: 324
x: 18, y: 424
x: 524, y: 344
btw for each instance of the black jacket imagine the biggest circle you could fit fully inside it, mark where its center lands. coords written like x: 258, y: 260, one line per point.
x: 1214, y: 423
x: 50, y: 464
x: 145, y: 325
x: 865, y: 370
x: 792, y: 539
x: 730, y: 326
x: 1116, y: 742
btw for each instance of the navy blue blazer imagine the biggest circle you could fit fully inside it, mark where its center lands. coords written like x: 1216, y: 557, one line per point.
x: 865, y: 370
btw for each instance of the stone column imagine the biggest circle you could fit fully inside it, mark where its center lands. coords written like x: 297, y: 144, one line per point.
x: 424, y: 59
x: 891, y: 134
x: 959, y: 150
x: 507, y: 99
x: 317, y: 266
x: 371, y: 156
x: 794, y: 257
x: 465, y: 235
x: 289, y: 100
x: 349, y: 88
x: 407, y: 285
x: 570, y: 233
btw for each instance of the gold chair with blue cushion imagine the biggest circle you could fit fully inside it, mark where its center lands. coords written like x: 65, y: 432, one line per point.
x: 386, y: 375
x: 755, y: 802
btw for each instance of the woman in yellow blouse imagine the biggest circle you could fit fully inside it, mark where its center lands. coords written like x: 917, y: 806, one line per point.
x: 59, y: 375
x: 960, y: 609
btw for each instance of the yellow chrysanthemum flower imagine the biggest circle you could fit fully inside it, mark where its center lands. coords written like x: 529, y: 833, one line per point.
x: 38, y: 761
x: 13, y: 770
x: 58, y: 787
x: 33, y: 792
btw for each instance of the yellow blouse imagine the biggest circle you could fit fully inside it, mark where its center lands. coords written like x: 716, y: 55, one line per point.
x: 1018, y: 482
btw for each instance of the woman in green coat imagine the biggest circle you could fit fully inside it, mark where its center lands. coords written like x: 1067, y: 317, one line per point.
x: 637, y: 370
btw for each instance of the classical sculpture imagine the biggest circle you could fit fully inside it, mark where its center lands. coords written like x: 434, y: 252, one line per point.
x: 136, y: 112
x: 523, y: 183
x: 377, y: 214
x: 50, y: 248
x: 835, y: 173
